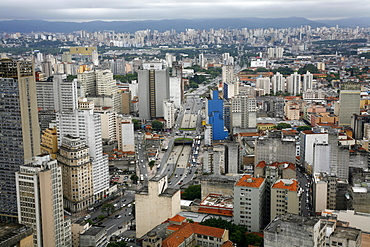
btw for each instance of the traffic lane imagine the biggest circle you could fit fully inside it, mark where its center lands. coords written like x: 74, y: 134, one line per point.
x: 117, y: 222
x: 128, y: 197
x: 303, y: 181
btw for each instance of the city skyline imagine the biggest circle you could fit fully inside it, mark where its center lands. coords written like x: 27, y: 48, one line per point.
x: 114, y: 10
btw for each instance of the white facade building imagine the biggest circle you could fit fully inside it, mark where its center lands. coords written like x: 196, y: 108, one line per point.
x: 294, y: 84
x: 263, y: 83
x: 126, y: 135
x: 307, y: 81
x: 87, y: 125
x: 278, y: 83
x: 169, y: 113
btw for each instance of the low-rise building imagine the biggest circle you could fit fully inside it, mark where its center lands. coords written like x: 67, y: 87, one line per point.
x: 294, y: 230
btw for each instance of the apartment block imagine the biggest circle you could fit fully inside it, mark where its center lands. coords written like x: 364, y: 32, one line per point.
x: 249, y: 203
x: 40, y: 201
x: 74, y: 158
x: 285, y: 197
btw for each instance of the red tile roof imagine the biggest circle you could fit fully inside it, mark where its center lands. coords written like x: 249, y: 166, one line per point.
x: 255, y: 182
x: 188, y: 229
x: 177, y: 218
x: 228, y: 243
x: 292, y: 186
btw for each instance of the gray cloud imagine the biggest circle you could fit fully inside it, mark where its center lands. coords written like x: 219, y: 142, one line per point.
x: 84, y: 10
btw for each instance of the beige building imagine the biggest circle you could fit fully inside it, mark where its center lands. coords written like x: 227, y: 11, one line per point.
x: 19, y: 127
x: 155, y: 203
x: 49, y: 142
x: 40, y: 201
x: 74, y: 158
x: 285, y: 197
x: 249, y: 201
x: 291, y: 110
x: 126, y: 102
x: 78, y: 227
x: 82, y: 50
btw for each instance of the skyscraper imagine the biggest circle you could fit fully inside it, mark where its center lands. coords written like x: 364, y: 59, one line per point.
x: 294, y: 84
x: 19, y: 127
x: 74, y: 159
x: 349, y: 102
x: 40, y: 201
x: 154, y: 87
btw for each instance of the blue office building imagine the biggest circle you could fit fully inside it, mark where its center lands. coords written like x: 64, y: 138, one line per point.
x: 216, y: 118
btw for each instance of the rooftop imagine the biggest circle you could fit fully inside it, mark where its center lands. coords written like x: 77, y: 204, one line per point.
x: 187, y: 229
x: 249, y: 181
x: 346, y: 233
x: 287, y: 184
x: 217, y: 200
x: 280, y: 221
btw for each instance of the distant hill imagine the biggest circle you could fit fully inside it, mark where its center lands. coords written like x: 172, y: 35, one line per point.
x: 26, y: 26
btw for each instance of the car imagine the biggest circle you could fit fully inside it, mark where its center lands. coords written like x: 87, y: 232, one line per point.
x: 129, y: 205
x: 120, y: 227
x: 123, y: 205
x: 141, y: 161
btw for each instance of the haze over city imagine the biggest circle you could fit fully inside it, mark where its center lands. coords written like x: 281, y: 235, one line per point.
x: 156, y: 10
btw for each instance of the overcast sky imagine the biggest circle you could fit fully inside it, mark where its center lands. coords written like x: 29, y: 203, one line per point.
x: 87, y: 10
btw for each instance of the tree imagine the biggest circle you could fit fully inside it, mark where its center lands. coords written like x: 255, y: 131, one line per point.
x: 192, y: 192
x: 253, y: 239
x: 236, y: 233
x: 151, y: 164
x: 283, y: 126
x: 108, y: 208
x: 157, y: 125
x: 309, y: 67
x: 134, y: 178
x: 117, y: 244
x: 305, y: 127
x: 136, y: 124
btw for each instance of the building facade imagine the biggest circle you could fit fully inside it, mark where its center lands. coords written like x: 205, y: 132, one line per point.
x: 19, y: 127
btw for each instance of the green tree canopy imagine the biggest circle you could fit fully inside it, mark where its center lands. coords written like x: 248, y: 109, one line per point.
x: 136, y: 124
x: 236, y: 233
x: 108, y: 208
x: 305, y: 127
x: 309, y: 67
x: 192, y: 192
x: 134, y: 178
x: 283, y: 126
x: 157, y: 125
x: 117, y: 244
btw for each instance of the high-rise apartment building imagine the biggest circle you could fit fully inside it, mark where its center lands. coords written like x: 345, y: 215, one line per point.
x: 285, y: 197
x: 294, y: 84
x: 263, y: 83
x: 154, y: 87
x: 40, y: 201
x: 278, y: 83
x: 307, y: 81
x: 243, y: 112
x: 49, y: 142
x: 87, y: 125
x: 125, y: 134
x: 19, y: 127
x: 249, y: 201
x: 349, y: 102
x: 74, y: 159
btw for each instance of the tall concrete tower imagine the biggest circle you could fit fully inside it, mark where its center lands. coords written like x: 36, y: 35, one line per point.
x: 154, y: 87
x: 19, y: 127
x: 349, y: 102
